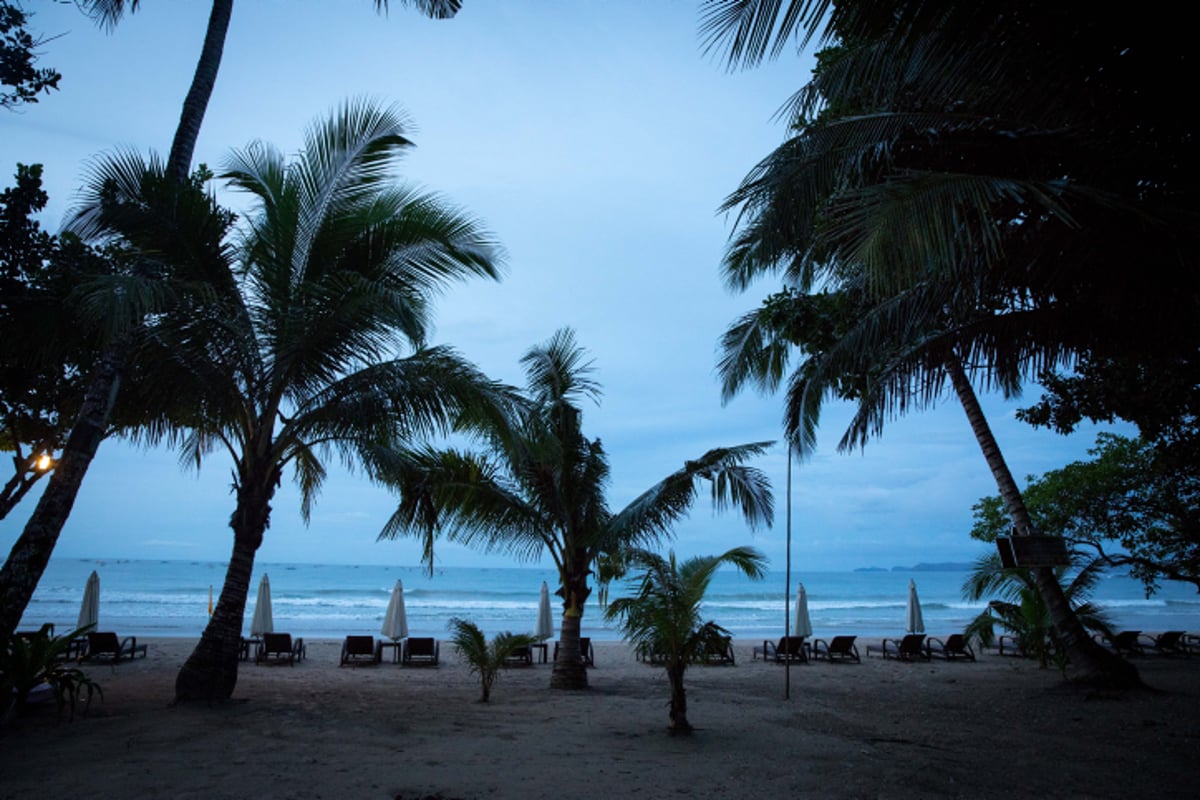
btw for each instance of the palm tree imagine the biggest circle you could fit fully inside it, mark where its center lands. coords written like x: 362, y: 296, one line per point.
x: 663, y: 616
x: 1020, y: 609
x: 485, y: 659
x: 296, y: 359
x: 983, y: 224
x: 540, y: 489
x: 31, y: 552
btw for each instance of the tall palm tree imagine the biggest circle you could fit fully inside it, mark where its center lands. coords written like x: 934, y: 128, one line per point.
x: 663, y: 616
x: 984, y: 222
x: 540, y: 488
x: 297, y: 358
x: 32, y: 550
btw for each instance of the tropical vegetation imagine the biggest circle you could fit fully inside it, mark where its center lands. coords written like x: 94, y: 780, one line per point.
x: 983, y: 216
x: 105, y: 382
x: 31, y: 660
x: 663, y: 615
x: 1015, y: 604
x: 485, y: 659
x: 538, y: 486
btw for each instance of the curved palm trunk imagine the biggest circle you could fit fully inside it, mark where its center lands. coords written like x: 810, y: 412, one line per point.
x: 210, y: 672
x: 32, y: 550
x: 679, y: 723
x: 1091, y: 662
x: 196, y: 102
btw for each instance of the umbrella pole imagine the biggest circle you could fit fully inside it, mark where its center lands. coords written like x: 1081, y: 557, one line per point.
x: 787, y: 583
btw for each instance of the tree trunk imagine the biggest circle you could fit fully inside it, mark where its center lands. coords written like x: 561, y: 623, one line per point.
x: 1091, y: 663
x: 679, y: 724
x: 210, y: 672
x: 25, y: 477
x: 31, y: 552
x: 569, y: 670
x: 196, y: 103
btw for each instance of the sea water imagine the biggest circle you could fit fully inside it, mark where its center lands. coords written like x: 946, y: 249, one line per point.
x: 171, y: 599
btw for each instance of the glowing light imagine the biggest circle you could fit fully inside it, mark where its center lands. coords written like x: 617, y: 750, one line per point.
x: 45, y: 462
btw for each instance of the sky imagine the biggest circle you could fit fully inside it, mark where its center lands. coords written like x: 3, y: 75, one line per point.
x: 597, y: 141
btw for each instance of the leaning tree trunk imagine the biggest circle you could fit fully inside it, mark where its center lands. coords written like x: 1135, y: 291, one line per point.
x: 196, y: 104
x: 570, y: 672
x: 1091, y: 662
x: 31, y: 552
x: 210, y: 672
x: 679, y: 722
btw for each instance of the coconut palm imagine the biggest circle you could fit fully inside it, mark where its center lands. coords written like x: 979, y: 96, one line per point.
x: 540, y: 488
x: 298, y: 359
x: 663, y: 615
x: 484, y: 658
x: 1018, y: 607
x: 984, y: 224
x: 32, y: 550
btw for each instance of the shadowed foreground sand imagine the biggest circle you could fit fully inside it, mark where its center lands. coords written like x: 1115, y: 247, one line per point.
x: 999, y: 727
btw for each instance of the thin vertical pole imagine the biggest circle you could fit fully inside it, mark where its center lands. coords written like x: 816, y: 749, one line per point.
x: 787, y: 583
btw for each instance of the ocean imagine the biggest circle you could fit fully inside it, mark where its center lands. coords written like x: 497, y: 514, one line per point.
x: 170, y: 599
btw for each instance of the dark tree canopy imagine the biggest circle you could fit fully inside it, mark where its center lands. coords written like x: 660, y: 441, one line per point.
x: 23, y: 80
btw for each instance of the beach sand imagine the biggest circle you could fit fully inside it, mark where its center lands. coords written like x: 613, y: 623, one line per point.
x: 998, y: 727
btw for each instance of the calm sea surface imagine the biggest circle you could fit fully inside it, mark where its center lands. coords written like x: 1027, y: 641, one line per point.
x: 170, y: 598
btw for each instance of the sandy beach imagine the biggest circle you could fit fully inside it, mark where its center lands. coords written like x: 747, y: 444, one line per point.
x: 998, y: 727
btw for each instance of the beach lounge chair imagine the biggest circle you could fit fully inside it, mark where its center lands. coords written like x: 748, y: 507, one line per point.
x: 587, y: 653
x: 278, y: 648
x: 105, y: 644
x: 954, y: 648
x: 1167, y: 643
x: 360, y: 650
x: 910, y: 648
x: 420, y: 651
x: 788, y: 648
x: 521, y: 657
x: 839, y: 648
x: 1123, y: 643
x: 721, y: 654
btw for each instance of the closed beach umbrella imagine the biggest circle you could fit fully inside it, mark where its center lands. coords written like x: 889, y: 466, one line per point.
x: 545, y: 621
x: 801, y: 622
x: 89, y: 610
x: 263, y: 621
x: 915, y: 622
x: 395, y: 622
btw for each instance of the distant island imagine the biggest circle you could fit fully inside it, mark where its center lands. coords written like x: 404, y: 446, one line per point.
x: 941, y: 566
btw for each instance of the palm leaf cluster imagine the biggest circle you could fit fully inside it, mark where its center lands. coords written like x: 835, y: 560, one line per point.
x: 536, y: 485
x: 984, y: 175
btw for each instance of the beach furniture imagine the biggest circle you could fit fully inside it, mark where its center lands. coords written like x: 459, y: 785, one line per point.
x: 521, y: 657
x: 587, y: 653
x: 360, y: 650
x: 1167, y: 643
x: 839, y: 648
x: 420, y: 651
x: 722, y: 654
x: 955, y: 647
x: 788, y: 648
x: 278, y: 648
x: 106, y: 644
x: 1123, y: 643
x: 910, y: 648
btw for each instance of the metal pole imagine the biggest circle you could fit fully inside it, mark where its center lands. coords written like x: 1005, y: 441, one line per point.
x: 787, y: 588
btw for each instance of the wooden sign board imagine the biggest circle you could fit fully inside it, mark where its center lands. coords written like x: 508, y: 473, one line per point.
x: 1033, y: 551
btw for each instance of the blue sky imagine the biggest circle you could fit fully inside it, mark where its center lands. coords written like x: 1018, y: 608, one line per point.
x: 597, y: 141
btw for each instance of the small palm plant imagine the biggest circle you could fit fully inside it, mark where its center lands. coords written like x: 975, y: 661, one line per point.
x: 484, y: 658
x: 663, y: 617
x: 1020, y: 609
x: 29, y: 661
